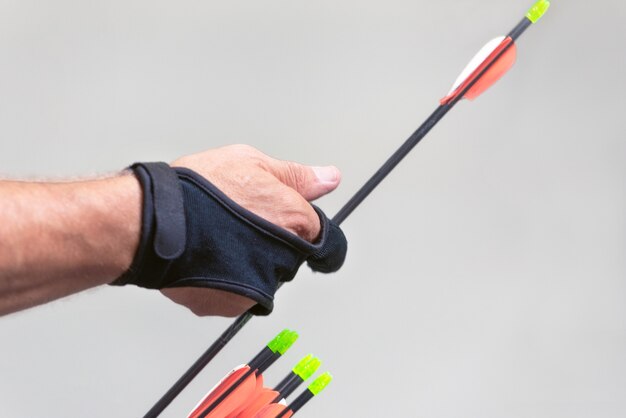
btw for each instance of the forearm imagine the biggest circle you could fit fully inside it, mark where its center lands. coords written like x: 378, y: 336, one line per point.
x: 60, y: 238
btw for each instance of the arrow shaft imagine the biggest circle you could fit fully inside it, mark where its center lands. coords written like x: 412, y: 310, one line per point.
x: 257, y: 366
x: 286, y: 382
x: 226, y: 393
x: 297, y: 403
x: 287, y: 386
x: 391, y: 163
x: 197, y: 366
x: 520, y: 28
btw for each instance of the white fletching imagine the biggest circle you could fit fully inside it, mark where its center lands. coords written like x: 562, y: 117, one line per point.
x: 476, y: 61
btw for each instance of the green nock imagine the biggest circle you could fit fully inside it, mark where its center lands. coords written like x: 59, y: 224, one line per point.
x: 288, y: 342
x: 320, y: 383
x: 277, y: 341
x: 538, y: 10
x: 307, y: 366
x: 283, y: 341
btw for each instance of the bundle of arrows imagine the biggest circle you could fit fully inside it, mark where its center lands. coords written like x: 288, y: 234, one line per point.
x: 242, y: 394
x: 484, y: 70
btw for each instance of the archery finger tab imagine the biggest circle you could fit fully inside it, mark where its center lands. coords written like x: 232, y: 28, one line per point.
x: 332, y: 247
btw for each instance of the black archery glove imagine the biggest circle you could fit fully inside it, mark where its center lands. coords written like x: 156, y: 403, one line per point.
x: 193, y: 235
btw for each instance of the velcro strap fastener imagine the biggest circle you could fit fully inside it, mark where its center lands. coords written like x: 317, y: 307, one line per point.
x: 170, y: 234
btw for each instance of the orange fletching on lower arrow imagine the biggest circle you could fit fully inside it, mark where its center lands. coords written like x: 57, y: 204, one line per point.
x: 246, y: 398
x: 245, y: 392
x: 233, y: 402
x: 219, y: 389
x: 271, y: 411
x: 264, y: 398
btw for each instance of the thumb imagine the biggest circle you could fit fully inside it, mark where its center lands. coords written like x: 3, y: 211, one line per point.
x: 310, y: 182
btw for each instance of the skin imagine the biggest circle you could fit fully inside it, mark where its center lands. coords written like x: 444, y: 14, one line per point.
x: 62, y: 238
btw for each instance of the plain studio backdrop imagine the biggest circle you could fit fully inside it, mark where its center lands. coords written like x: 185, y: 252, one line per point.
x: 485, y: 276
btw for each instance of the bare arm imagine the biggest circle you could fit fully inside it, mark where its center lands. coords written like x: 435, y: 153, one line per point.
x: 57, y: 239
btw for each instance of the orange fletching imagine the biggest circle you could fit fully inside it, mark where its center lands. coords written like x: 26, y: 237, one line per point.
x: 215, y: 393
x: 264, y: 398
x: 493, y: 74
x: 499, y: 61
x: 246, y: 397
x: 234, y: 402
x: 271, y: 411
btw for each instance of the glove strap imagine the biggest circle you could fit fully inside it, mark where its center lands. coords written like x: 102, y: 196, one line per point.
x: 163, y: 224
x: 169, y: 211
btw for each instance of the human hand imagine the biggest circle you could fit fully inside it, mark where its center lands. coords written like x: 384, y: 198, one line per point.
x: 278, y: 191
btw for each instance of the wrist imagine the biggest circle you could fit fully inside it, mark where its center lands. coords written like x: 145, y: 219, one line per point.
x: 107, y: 227
x: 121, y: 224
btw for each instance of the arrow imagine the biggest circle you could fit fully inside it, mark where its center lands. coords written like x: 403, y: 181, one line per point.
x: 278, y: 410
x: 487, y: 67
x: 231, y: 394
x: 493, y: 61
x: 486, y: 73
x: 298, y: 375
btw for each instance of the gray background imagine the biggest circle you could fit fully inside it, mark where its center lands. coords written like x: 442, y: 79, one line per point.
x: 485, y: 277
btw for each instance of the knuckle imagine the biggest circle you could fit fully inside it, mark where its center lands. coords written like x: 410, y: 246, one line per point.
x: 296, y: 176
x: 244, y: 150
x: 248, y: 155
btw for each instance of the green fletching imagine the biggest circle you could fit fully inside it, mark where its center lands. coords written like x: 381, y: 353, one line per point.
x: 320, y: 383
x: 283, y: 341
x: 538, y: 10
x: 307, y: 366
